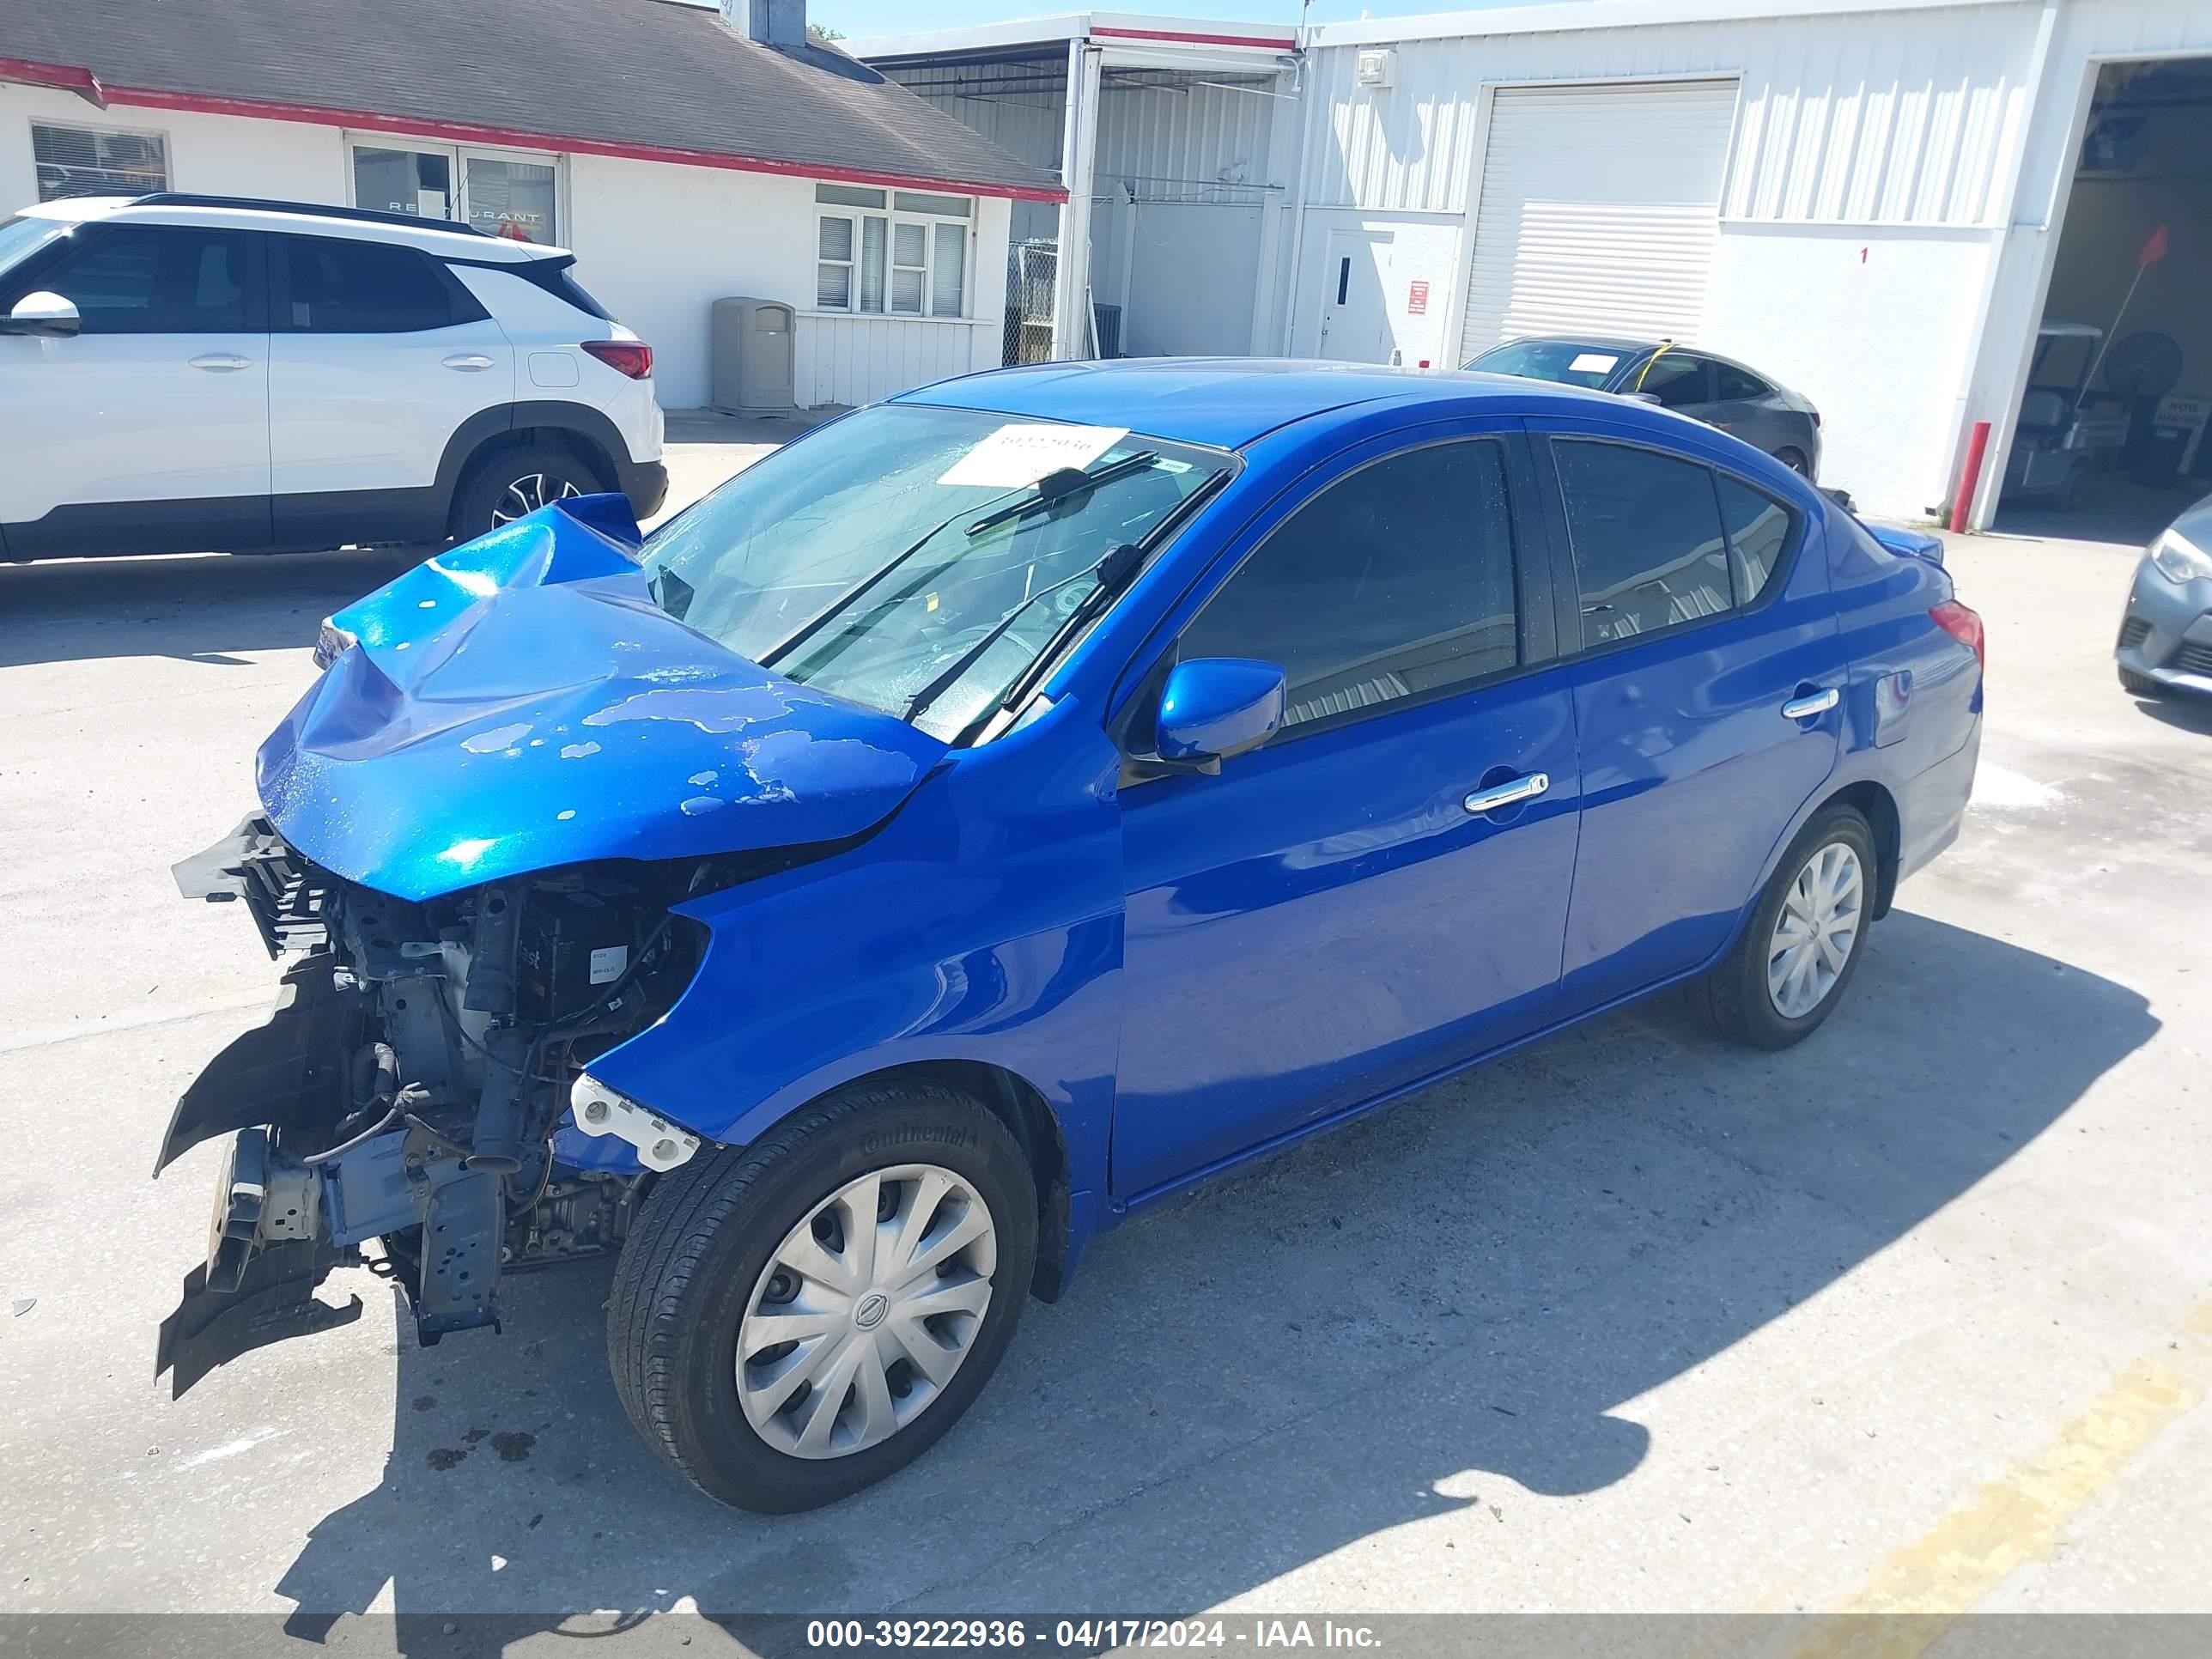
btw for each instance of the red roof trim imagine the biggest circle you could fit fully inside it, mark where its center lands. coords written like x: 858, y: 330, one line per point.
x: 1274, y: 42
x: 466, y: 132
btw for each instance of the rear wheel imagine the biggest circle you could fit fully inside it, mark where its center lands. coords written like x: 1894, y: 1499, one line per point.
x: 1804, y: 941
x: 509, y: 482
x: 796, y: 1321
x: 1795, y: 461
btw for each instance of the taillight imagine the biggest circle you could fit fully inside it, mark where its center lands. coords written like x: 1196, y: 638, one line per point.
x: 630, y: 357
x: 1963, y: 625
x: 1816, y: 419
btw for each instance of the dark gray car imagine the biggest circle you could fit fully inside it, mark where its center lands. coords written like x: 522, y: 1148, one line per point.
x: 2166, y: 632
x: 1716, y: 390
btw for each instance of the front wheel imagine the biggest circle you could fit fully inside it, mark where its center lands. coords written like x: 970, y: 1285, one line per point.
x: 1788, y: 971
x: 796, y: 1321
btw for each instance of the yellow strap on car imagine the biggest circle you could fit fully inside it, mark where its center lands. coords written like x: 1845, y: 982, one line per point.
x: 1665, y: 347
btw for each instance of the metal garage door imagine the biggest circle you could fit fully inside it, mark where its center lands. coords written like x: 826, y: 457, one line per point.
x: 1599, y: 209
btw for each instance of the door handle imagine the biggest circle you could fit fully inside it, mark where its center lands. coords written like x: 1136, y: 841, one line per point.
x: 221, y: 362
x: 1508, y: 793
x: 469, y: 360
x: 1820, y: 702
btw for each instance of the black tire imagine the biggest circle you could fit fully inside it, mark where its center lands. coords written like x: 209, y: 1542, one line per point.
x: 484, y: 494
x: 704, y: 1239
x: 2140, y: 685
x: 1795, y: 461
x: 1733, y: 996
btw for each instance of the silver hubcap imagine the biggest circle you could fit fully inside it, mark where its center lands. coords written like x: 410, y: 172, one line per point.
x: 528, y: 494
x: 1816, y: 932
x: 866, y: 1310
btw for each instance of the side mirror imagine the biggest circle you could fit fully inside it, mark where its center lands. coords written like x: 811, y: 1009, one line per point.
x: 1213, y: 708
x: 43, y: 313
x: 1651, y: 397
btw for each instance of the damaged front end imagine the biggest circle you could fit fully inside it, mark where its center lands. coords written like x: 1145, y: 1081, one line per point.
x: 411, y: 1091
x: 477, y: 824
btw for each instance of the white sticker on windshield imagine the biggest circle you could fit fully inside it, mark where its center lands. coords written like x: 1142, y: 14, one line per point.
x: 1016, y: 455
x: 1592, y: 362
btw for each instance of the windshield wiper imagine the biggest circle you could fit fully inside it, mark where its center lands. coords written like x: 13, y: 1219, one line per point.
x: 1057, y: 487
x: 1053, y: 487
x: 1112, y: 571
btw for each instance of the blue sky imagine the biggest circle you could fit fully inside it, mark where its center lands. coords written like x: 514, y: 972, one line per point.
x: 909, y: 16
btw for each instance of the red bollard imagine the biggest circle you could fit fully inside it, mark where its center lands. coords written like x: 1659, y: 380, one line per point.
x: 1963, y: 503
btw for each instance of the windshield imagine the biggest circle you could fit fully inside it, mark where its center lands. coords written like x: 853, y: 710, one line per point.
x: 19, y: 235
x: 916, y: 559
x: 1560, y: 361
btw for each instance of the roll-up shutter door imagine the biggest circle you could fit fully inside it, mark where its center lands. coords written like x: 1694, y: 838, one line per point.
x: 1599, y: 210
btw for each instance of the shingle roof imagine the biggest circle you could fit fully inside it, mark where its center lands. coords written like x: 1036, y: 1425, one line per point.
x: 656, y: 78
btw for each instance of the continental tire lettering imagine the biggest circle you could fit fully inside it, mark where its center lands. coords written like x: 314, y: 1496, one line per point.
x: 931, y: 1134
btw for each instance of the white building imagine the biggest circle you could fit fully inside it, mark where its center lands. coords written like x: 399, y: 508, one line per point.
x: 684, y: 153
x: 1875, y: 201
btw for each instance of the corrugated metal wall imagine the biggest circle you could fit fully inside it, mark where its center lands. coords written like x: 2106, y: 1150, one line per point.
x: 1194, y: 140
x: 1206, y: 129
x: 1900, y: 117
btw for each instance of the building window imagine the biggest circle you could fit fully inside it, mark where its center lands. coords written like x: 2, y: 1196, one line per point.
x: 500, y: 193
x: 94, y: 161
x: 901, y: 254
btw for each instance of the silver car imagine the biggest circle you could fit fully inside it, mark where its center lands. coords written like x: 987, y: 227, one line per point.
x: 2166, y: 632
x: 1717, y: 390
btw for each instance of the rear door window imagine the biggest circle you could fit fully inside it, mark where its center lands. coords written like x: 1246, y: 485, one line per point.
x: 1757, y: 531
x: 1648, y: 548
x: 335, y: 286
x: 1661, y: 542
x: 1732, y: 385
x: 1394, y: 581
x: 163, y: 279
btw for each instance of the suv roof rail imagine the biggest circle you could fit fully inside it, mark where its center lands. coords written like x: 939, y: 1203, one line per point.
x: 319, y: 209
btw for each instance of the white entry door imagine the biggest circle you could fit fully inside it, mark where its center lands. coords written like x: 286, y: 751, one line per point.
x: 1599, y: 210
x: 1355, y: 317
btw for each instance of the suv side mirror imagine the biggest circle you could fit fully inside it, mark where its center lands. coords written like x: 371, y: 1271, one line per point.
x: 1213, y: 708
x: 43, y: 313
x: 1651, y: 397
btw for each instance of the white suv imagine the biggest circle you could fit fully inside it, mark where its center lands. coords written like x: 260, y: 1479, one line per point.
x: 183, y: 373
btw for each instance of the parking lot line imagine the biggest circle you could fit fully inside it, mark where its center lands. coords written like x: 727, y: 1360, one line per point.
x: 2020, y: 1517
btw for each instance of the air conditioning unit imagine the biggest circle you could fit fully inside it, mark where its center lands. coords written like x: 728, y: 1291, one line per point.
x: 1373, y: 68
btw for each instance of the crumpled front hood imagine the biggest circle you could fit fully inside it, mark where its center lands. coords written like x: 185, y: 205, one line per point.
x: 520, y: 702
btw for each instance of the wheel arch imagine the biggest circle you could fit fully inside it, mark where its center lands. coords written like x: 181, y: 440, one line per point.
x: 1874, y: 803
x: 1029, y: 1117
x: 587, y: 433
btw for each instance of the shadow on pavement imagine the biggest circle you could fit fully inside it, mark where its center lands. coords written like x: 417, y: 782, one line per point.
x: 1469, y: 1285
x: 2182, y: 713
x: 198, y: 608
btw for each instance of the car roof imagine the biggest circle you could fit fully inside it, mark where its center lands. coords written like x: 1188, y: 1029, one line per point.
x: 1613, y: 342
x: 1227, y: 402
x: 452, y: 241
x: 1607, y: 342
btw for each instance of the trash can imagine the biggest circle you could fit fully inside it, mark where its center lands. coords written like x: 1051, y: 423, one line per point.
x: 749, y: 343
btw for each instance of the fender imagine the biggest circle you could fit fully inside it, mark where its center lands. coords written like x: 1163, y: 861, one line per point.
x: 423, y: 513
x: 936, y: 941
x: 486, y: 426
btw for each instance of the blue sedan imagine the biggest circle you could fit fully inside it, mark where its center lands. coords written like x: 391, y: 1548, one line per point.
x: 1003, y: 807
